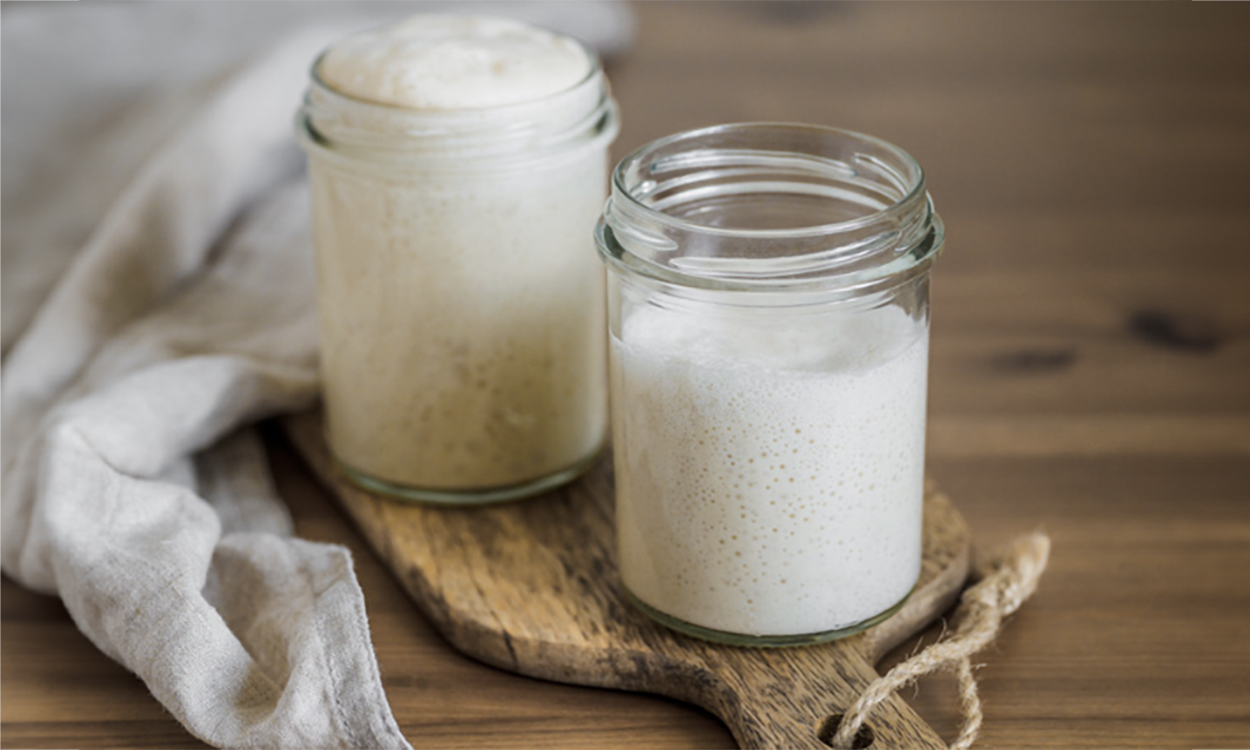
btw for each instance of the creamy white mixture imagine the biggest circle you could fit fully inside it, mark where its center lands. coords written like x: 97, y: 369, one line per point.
x: 461, y: 311
x: 769, y: 472
x: 454, y: 62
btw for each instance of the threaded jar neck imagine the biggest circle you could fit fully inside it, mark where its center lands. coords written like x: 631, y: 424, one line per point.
x: 763, y: 209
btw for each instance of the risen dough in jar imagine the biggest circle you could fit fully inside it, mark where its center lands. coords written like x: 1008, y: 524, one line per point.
x: 769, y: 474
x: 460, y: 298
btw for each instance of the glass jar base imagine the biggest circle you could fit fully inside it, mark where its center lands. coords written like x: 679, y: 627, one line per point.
x: 760, y: 641
x: 476, y: 496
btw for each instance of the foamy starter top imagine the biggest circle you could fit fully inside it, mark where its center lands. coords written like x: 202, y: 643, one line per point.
x: 443, y: 62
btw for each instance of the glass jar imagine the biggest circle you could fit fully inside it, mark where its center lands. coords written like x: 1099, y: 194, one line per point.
x: 460, y: 303
x: 769, y: 315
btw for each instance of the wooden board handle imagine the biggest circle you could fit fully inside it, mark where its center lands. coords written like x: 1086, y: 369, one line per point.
x: 774, y: 699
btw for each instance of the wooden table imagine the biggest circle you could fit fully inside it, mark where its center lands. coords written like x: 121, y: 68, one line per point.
x: 1090, y: 372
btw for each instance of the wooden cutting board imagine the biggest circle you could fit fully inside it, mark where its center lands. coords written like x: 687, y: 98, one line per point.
x: 532, y: 587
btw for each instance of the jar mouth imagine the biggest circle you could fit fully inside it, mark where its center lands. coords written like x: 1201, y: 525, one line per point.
x: 332, y: 121
x: 771, y: 207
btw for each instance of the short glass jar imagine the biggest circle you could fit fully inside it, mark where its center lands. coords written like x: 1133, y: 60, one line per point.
x: 460, y: 305
x: 769, y: 316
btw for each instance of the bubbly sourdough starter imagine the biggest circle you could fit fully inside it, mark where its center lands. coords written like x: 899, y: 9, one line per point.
x: 772, y: 477
x: 461, y: 313
x: 454, y: 62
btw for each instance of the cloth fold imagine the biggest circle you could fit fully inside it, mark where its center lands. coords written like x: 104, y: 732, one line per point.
x: 127, y: 489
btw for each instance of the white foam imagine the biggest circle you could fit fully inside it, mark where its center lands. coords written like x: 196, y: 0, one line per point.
x: 769, y: 472
x: 445, y: 62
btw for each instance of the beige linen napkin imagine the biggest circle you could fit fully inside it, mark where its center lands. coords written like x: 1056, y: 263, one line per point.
x: 190, y: 312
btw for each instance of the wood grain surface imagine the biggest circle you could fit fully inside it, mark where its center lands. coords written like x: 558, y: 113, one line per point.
x: 1090, y: 374
x: 533, y: 587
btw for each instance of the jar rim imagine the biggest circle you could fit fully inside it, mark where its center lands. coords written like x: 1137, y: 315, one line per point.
x: 895, y: 240
x: 917, y: 189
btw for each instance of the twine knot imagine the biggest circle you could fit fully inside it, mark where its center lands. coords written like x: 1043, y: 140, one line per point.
x: 1007, y: 580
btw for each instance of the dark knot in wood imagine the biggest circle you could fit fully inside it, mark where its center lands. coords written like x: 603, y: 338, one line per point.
x: 1035, y: 360
x: 1190, y: 333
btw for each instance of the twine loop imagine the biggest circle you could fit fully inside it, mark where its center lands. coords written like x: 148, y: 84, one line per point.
x: 1007, y: 580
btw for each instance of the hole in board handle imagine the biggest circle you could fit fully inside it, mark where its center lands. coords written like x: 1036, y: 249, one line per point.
x: 829, y: 727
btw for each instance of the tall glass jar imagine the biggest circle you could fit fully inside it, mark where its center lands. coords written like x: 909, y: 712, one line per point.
x: 460, y: 304
x: 769, y: 315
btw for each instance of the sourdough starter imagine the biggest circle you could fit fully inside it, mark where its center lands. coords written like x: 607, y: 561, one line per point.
x: 770, y: 476
x: 461, y: 311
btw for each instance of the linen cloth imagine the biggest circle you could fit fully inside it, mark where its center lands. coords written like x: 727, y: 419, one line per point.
x: 128, y: 489
x: 157, y: 342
